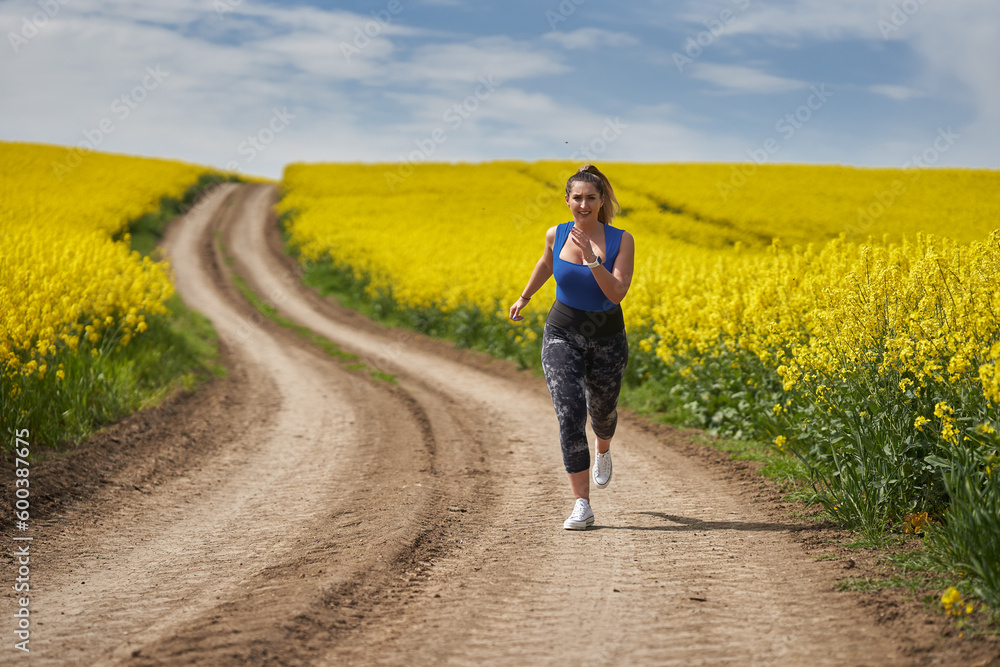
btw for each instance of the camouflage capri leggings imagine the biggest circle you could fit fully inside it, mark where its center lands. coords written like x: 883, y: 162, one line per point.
x: 584, y: 375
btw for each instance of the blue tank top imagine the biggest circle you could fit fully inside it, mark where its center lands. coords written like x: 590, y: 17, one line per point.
x: 575, y: 283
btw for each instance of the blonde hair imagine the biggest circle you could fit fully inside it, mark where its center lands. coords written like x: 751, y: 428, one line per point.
x: 588, y: 173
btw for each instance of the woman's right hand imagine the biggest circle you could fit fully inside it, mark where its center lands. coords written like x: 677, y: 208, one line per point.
x: 515, y: 310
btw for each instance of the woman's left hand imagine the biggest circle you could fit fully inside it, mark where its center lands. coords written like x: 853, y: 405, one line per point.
x: 580, y: 238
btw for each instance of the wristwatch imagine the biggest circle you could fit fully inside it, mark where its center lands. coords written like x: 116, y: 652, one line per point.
x: 596, y: 262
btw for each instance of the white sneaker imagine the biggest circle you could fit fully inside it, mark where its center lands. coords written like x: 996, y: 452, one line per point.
x: 582, y: 516
x: 601, y: 472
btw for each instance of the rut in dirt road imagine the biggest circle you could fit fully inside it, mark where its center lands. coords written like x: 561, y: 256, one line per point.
x: 334, y: 519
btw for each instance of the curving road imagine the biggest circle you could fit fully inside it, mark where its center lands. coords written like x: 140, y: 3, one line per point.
x: 318, y: 516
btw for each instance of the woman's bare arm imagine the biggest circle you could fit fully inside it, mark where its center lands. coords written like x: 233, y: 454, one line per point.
x: 615, y: 283
x: 541, y: 273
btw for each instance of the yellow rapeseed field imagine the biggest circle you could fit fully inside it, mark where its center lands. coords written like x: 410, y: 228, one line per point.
x: 64, y: 282
x: 781, y: 266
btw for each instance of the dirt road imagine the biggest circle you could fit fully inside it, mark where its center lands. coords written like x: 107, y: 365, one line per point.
x: 299, y: 512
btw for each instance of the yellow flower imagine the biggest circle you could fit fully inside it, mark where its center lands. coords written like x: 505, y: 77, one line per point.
x: 919, y: 422
x: 942, y: 410
x: 951, y: 598
x: 914, y: 523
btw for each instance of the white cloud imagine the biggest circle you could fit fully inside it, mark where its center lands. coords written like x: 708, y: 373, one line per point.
x: 960, y: 45
x: 589, y: 38
x: 516, y: 124
x: 900, y: 93
x: 800, y: 20
x: 740, y: 79
x: 503, y: 58
x: 956, y: 45
x: 652, y: 137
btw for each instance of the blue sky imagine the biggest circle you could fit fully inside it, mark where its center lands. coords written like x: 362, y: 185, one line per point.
x: 253, y: 85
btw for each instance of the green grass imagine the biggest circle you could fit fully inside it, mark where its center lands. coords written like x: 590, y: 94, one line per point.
x: 269, y: 311
x: 789, y: 471
x: 915, y: 583
x: 653, y: 399
x: 147, y: 231
x: 179, y: 352
x: 924, y: 579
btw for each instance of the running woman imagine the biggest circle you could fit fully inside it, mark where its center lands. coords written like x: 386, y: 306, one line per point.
x: 584, y: 347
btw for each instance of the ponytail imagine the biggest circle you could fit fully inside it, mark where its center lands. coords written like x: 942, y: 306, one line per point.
x: 588, y: 173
